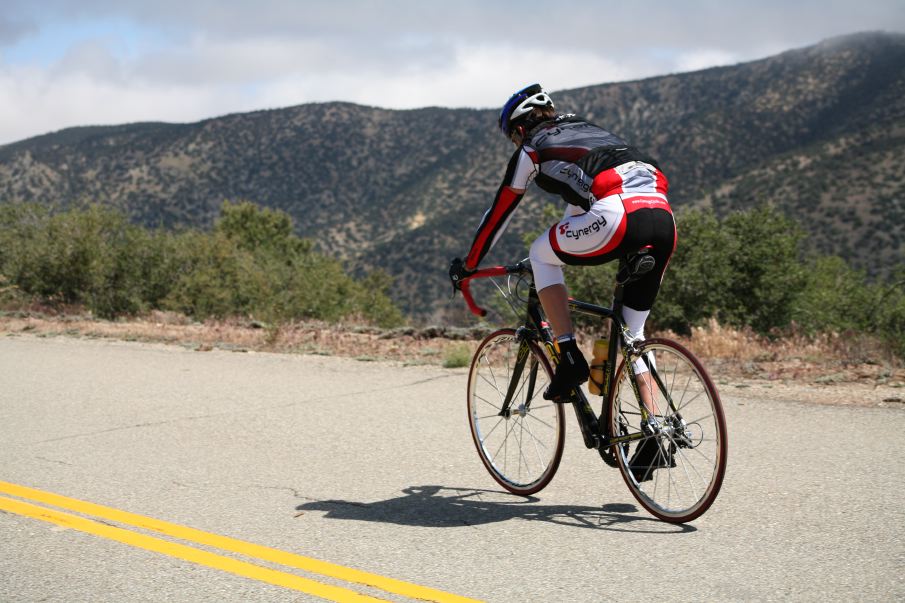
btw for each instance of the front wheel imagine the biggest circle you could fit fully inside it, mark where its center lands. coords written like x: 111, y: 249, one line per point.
x: 673, y: 463
x: 519, y: 435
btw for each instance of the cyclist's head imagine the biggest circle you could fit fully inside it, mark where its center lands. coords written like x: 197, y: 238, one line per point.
x: 524, y: 109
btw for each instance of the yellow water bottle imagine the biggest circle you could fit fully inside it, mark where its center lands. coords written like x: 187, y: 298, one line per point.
x: 598, y: 367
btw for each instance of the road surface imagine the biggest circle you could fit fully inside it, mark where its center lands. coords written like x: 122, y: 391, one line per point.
x: 136, y: 472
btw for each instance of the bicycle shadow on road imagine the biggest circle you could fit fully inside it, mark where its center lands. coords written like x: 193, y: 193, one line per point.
x: 445, y: 507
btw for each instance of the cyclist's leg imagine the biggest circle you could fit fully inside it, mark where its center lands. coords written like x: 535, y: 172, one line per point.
x: 547, y: 265
x: 654, y: 227
x: 579, y: 238
x: 634, y: 322
x: 549, y: 279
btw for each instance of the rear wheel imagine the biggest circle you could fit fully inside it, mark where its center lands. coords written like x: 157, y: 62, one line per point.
x: 520, y: 444
x: 676, y: 465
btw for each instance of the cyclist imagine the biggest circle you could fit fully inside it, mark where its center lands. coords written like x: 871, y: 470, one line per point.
x: 617, y: 204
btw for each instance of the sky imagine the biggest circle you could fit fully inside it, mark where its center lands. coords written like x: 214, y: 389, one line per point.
x: 103, y: 62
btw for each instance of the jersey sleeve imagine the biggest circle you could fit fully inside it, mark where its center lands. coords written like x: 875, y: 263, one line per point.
x: 520, y: 172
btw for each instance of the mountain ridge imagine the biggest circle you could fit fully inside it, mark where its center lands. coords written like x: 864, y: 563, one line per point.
x: 807, y: 130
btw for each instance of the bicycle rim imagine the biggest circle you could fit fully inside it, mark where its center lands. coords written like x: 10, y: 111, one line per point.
x: 520, y: 448
x: 676, y: 469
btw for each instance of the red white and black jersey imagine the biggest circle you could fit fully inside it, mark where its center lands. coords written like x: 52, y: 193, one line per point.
x: 575, y: 159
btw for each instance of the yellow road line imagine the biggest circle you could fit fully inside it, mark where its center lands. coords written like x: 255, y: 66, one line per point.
x: 226, y: 543
x: 150, y: 543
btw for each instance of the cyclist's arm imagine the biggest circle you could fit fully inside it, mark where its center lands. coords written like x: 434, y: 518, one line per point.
x: 519, y: 174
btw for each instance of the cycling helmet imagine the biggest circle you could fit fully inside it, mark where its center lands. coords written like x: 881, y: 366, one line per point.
x: 520, y: 105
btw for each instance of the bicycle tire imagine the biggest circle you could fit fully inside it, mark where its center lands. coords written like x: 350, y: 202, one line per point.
x: 522, y: 449
x: 678, y: 474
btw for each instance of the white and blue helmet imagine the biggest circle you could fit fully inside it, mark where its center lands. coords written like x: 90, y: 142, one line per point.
x: 520, y: 105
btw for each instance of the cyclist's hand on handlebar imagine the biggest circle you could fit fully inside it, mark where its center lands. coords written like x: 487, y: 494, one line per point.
x: 458, y: 272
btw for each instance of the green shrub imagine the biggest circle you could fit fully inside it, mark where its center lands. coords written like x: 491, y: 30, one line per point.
x: 251, y: 264
x: 696, y: 286
x: 90, y: 256
x: 840, y: 299
x: 834, y: 297
x: 751, y: 269
x: 766, y: 269
x: 457, y: 357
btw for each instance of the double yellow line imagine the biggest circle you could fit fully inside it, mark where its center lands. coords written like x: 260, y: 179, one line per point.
x: 213, y: 560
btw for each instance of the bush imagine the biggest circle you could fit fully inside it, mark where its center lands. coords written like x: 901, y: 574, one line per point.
x: 766, y: 269
x: 251, y: 264
x: 840, y: 299
x: 457, y: 357
x: 696, y: 286
x: 91, y: 256
x: 833, y: 298
x: 751, y: 270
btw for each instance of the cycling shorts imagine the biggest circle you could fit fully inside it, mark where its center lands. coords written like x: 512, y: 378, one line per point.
x: 612, y: 228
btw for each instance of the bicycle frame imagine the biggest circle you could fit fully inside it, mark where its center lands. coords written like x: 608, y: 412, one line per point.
x: 594, y: 428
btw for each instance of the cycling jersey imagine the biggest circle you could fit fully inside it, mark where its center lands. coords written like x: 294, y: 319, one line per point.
x: 575, y: 159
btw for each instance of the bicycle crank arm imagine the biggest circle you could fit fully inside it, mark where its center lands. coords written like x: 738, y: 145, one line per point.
x: 587, y: 421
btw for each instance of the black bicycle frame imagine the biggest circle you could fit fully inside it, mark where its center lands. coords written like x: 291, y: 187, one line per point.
x: 594, y: 431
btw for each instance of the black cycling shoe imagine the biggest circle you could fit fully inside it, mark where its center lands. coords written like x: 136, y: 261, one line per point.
x: 571, y: 372
x: 650, y: 455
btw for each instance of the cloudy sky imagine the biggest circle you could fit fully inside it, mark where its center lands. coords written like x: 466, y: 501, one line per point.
x: 80, y: 62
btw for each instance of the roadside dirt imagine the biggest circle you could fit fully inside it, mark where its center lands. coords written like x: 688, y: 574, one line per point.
x: 817, y: 371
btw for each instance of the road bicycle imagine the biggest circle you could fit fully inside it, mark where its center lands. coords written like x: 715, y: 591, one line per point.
x: 661, y: 421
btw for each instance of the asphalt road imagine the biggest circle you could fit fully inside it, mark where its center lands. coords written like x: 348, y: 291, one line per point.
x: 370, y: 467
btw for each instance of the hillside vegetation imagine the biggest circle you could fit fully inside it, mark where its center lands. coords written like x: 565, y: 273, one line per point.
x: 817, y: 133
x: 250, y: 265
x: 747, y: 271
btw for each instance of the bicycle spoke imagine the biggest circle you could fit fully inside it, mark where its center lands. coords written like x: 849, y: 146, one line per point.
x: 518, y: 438
x: 487, y: 416
x: 526, y: 429
x: 503, y: 444
x: 669, y: 487
x: 696, y: 472
x: 495, y: 388
x: 681, y: 481
x: 696, y: 396
x: 704, y: 456
x: 521, y: 440
x: 675, y: 368
x: 710, y: 416
x: 542, y: 421
x: 684, y: 468
x: 536, y: 442
x: 490, y: 370
x: 497, y: 424
x: 487, y: 402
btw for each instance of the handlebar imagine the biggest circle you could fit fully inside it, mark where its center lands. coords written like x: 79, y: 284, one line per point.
x: 522, y: 267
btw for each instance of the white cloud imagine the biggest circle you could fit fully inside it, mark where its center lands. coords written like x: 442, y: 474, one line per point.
x: 175, y: 61
x: 34, y: 102
x: 89, y: 86
x: 704, y: 58
x: 477, y: 77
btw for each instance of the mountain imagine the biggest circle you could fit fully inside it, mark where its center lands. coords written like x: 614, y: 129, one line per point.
x: 817, y: 132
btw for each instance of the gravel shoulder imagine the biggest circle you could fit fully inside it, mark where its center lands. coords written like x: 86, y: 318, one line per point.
x: 783, y: 372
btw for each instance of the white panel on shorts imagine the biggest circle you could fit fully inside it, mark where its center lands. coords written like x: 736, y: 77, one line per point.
x: 591, y: 231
